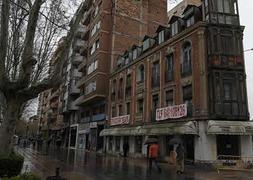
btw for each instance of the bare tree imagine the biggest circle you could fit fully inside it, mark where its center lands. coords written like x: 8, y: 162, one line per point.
x: 29, y: 31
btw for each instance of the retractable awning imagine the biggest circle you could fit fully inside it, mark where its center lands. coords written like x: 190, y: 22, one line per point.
x: 230, y: 127
x: 156, y: 129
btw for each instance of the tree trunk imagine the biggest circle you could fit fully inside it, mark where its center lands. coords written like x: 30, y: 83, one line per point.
x: 7, y: 130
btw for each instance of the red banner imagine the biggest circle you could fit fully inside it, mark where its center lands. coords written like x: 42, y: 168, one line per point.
x: 171, y: 112
x: 120, y: 120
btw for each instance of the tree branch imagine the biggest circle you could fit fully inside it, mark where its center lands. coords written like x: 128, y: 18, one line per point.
x: 5, y: 11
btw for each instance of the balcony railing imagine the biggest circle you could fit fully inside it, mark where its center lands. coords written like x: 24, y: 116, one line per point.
x: 77, y: 59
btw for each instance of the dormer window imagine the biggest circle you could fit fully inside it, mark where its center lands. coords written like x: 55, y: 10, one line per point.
x: 127, y: 60
x: 135, y: 53
x: 161, y: 37
x: 146, y: 44
x: 174, y: 28
x: 190, y: 21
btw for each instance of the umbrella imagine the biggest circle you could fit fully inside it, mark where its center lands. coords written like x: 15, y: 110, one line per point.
x: 151, y: 140
x: 176, y: 140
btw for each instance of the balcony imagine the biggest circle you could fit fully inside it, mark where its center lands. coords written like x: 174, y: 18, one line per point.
x: 77, y: 74
x: 81, y: 82
x: 86, y: 99
x: 77, y: 59
x: 79, y: 44
x: 81, y: 30
x: 74, y: 90
x: 98, y: 117
x: 83, y: 64
x: 73, y: 107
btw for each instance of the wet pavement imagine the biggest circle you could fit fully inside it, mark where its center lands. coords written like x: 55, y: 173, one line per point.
x: 81, y: 165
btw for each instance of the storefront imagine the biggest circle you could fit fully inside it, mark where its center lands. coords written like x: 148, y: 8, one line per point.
x: 204, y: 141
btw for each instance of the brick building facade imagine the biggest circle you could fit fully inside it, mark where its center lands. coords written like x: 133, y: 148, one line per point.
x: 188, y: 81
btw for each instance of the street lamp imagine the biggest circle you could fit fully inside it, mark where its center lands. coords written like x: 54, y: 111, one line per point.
x: 248, y: 50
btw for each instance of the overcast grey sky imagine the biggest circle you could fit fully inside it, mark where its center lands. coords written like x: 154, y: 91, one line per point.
x: 245, y: 8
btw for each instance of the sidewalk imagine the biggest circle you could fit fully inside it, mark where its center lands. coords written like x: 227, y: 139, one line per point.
x: 77, y: 165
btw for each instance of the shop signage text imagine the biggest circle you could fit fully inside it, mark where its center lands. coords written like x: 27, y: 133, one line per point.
x: 171, y: 112
x: 120, y: 120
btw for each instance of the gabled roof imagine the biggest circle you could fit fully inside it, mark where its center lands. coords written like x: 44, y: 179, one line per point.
x: 160, y: 28
x: 146, y: 37
x: 188, y: 7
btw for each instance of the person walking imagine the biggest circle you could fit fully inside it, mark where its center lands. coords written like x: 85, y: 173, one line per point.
x: 180, y: 159
x: 153, y: 154
x: 125, y: 149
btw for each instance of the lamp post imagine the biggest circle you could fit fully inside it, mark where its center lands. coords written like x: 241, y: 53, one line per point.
x: 247, y: 50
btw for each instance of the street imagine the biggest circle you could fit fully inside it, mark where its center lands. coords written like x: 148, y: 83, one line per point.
x: 75, y: 165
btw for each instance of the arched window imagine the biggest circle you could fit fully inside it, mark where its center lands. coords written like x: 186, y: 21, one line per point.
x: 186, y: 66
x: 141, y: 73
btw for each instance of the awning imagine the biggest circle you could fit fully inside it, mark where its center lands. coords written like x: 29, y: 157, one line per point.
x: 155, y: 129
x: 230, y: 127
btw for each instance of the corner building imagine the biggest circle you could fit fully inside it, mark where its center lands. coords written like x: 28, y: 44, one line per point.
x: 187, y: 81
x: 110, y: 28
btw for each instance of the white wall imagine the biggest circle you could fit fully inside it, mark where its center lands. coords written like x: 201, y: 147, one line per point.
x: 205, y: 145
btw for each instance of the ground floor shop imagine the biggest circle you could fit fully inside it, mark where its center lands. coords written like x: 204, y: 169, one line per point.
x: 86, y: 136
x: 204, y: 141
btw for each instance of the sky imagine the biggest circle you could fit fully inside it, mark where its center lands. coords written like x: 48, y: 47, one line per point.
x: 245, y: 8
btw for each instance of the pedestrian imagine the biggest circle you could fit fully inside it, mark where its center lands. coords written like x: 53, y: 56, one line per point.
x: 125, y: 149
x: 180, y: 158
x: 152, y: 157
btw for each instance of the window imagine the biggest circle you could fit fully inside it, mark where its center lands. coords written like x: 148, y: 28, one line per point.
x: 114, y: 111
x: 174, y: 28
x: 113, y: 95
x: 120, y: 93
x: 146, y: 44
x: 128, y: 108
x: 140, y: 74
x: 186, y: 67
x: 128, y: 86
x: 169, y: 98
x: 135, y: 53
x: 156, y: 74
x: 138, y: 144
x: 169, y: 64
x: 120, y: 110
x: 190, y: 21
x: 140, y: 106
x: 90, y: 88
x: 94, y: 47
x: 161, y: 37
x: 187, y: 98
x: 95, y: 28
x: 92, y: 67
x: 96, y: 11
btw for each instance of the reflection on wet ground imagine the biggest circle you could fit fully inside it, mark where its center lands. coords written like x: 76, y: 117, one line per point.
x: 77, y: 164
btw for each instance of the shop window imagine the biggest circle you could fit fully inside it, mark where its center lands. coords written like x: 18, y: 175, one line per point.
x: 117, y: 144
x: 169, y: 65
x: 138, y: 144
x: 110, y: 143
x: 186, y: 66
